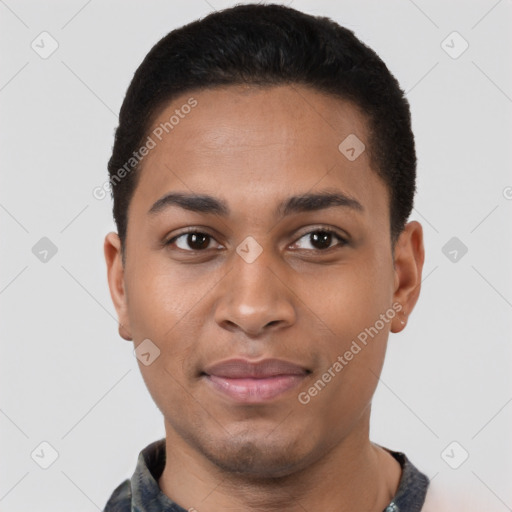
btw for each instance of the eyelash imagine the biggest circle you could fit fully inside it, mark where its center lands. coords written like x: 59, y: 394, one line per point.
x: 342, y: 241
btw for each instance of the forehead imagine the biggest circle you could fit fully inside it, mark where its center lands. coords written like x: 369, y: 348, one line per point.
x: 237, y: 118
x: 247, y: 143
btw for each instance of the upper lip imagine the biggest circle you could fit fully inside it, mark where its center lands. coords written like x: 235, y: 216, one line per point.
x: 243, y: 368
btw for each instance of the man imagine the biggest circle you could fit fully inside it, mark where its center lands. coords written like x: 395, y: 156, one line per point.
x: 263, y: 173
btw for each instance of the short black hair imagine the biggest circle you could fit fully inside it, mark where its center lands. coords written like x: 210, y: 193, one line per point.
x: 269, y: 45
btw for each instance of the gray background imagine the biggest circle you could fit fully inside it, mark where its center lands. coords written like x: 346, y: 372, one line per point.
x: 68, y: 379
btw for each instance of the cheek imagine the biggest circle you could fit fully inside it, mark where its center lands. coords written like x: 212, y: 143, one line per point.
x: 350, y: 297
x: 160, y: 297
x: 343, y: 387
x: 355, y: 303
x: 163, y: 307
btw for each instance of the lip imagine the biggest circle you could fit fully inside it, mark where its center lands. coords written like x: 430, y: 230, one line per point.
x: 252, y: 382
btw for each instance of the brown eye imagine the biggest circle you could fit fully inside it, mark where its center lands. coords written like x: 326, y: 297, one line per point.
x: 198, y: 241
x: 320, y: 240
x: 194, y: 241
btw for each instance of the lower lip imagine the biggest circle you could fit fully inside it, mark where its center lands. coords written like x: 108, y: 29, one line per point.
x: 254, y: 390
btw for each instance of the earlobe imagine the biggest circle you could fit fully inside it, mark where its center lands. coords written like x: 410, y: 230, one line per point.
x: 399, y: 322
x: 115, y: 275
x: 409, y: 256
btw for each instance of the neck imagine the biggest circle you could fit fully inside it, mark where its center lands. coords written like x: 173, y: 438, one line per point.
x: 354, y: 475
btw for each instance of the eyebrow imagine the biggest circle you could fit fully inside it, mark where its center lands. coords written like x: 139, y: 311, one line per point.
x: 202, y: 203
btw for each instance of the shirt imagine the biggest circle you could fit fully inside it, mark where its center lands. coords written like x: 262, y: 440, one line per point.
x: 141, y: 493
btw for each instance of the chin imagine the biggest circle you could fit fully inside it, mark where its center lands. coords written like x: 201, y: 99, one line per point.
x: 253, y: 455
x: 255, y: 460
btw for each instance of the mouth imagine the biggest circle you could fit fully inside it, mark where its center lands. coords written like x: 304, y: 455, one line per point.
x: 253, y: 382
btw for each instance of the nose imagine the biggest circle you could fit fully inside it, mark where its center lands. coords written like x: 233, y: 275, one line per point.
x: 254, y: 298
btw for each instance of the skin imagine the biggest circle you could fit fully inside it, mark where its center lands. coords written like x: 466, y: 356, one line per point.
x: 254, y: 148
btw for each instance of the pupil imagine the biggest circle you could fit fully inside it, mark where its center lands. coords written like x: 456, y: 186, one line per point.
x: 197, y: 240
x: 321, y: 239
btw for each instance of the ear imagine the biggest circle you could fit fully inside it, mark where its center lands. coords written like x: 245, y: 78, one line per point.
x: 115, y: 273
x: 409, y: 255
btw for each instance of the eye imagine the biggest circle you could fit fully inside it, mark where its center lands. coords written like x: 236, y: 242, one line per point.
x: 320, y: 240
x: 192, y: 241
x: 316, y: 240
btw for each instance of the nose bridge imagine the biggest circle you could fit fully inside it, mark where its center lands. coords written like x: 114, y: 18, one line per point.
x: 252, y: 281
x: 252, y: 296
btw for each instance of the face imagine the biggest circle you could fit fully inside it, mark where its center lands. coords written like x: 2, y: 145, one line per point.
x: 252, y: 236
